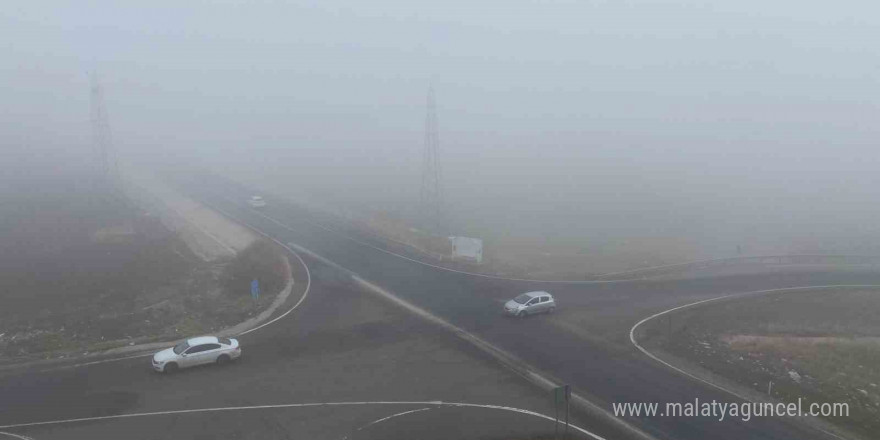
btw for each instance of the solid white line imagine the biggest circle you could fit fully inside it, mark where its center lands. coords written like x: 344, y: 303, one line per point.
x: 301, y: 299
x: 393, y: 416
x: 308, y: 273
x: 297, y: 405
x: 632, y: 331
x: 500, y: 355
x: 19, y: 437
x: 494, y: 351
x: 494, y: 277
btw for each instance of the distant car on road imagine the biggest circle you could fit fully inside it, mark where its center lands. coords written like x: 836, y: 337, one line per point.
x: 257, y: 202
x: 196, y: 351
x: 530, y: 303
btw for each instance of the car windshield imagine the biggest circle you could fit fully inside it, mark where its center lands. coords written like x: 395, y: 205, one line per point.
x: 180, y: 348
x: 225, y: 341
x: 522, y: 299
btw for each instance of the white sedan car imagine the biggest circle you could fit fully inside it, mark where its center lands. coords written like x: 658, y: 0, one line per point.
x: 196, y: 351
x: 257, y: 202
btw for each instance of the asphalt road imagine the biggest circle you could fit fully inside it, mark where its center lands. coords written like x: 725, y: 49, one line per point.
x: 347, y: 365
x: 600, y: 363
x: 344, y: 365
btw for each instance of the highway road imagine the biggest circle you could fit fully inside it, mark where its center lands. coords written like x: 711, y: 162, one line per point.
x: 597, y: 358
x: 348, y: 365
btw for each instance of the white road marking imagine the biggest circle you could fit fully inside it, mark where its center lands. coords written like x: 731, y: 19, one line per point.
x: 494, y: 351
x: 19, y: 437
x: 393, y: 416
x: 437, y: 403
x: 632, y: 331
x: 483, y: 275
x: 495, y: 277
x: 308, y: 273
x: 301, y: 299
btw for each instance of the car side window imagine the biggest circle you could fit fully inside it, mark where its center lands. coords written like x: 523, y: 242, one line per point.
x: 532, y: 302
x: 196, y: 349
x: 201, y: 348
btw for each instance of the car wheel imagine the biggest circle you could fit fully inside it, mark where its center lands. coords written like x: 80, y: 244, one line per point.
x: 170, y: 368
x: 222, y: 359
x: 522, y: 314
x: 552, y: 309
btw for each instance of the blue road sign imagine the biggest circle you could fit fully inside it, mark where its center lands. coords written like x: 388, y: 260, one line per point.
x: 255, y: 289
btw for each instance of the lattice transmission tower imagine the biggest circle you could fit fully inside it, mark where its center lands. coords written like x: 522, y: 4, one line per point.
x: 102, y: 140
x: 431, y: 196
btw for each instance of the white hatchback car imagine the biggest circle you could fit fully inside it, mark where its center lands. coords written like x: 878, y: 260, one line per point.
x: 196, y: 351
x: 257, y: 202
x: 530, y: 303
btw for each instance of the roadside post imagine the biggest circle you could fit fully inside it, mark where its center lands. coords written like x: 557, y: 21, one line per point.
x: 567, y: 400
x: 561, y: 395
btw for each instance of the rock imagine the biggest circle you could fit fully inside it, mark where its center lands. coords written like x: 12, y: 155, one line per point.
x: 794, y: 376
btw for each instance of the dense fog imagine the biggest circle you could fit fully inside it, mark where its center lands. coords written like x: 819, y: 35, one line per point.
x: 718, y: 124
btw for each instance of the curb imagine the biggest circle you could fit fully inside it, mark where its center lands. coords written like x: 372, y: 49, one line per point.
x: 140, y: 349
x: 518, y: 366
x: 722, y: 383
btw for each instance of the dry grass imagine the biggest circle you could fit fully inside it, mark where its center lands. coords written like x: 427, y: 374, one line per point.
x: 798, y: 345
x: 822, y: 346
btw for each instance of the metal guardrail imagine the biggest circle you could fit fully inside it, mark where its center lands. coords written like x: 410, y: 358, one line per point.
x: 745, y: 260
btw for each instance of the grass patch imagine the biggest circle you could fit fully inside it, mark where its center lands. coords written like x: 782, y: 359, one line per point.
x: 821, y: 346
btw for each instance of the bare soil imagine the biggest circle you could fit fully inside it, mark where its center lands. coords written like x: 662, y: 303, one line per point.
x: 821, y: 346
x: 83, y: 270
